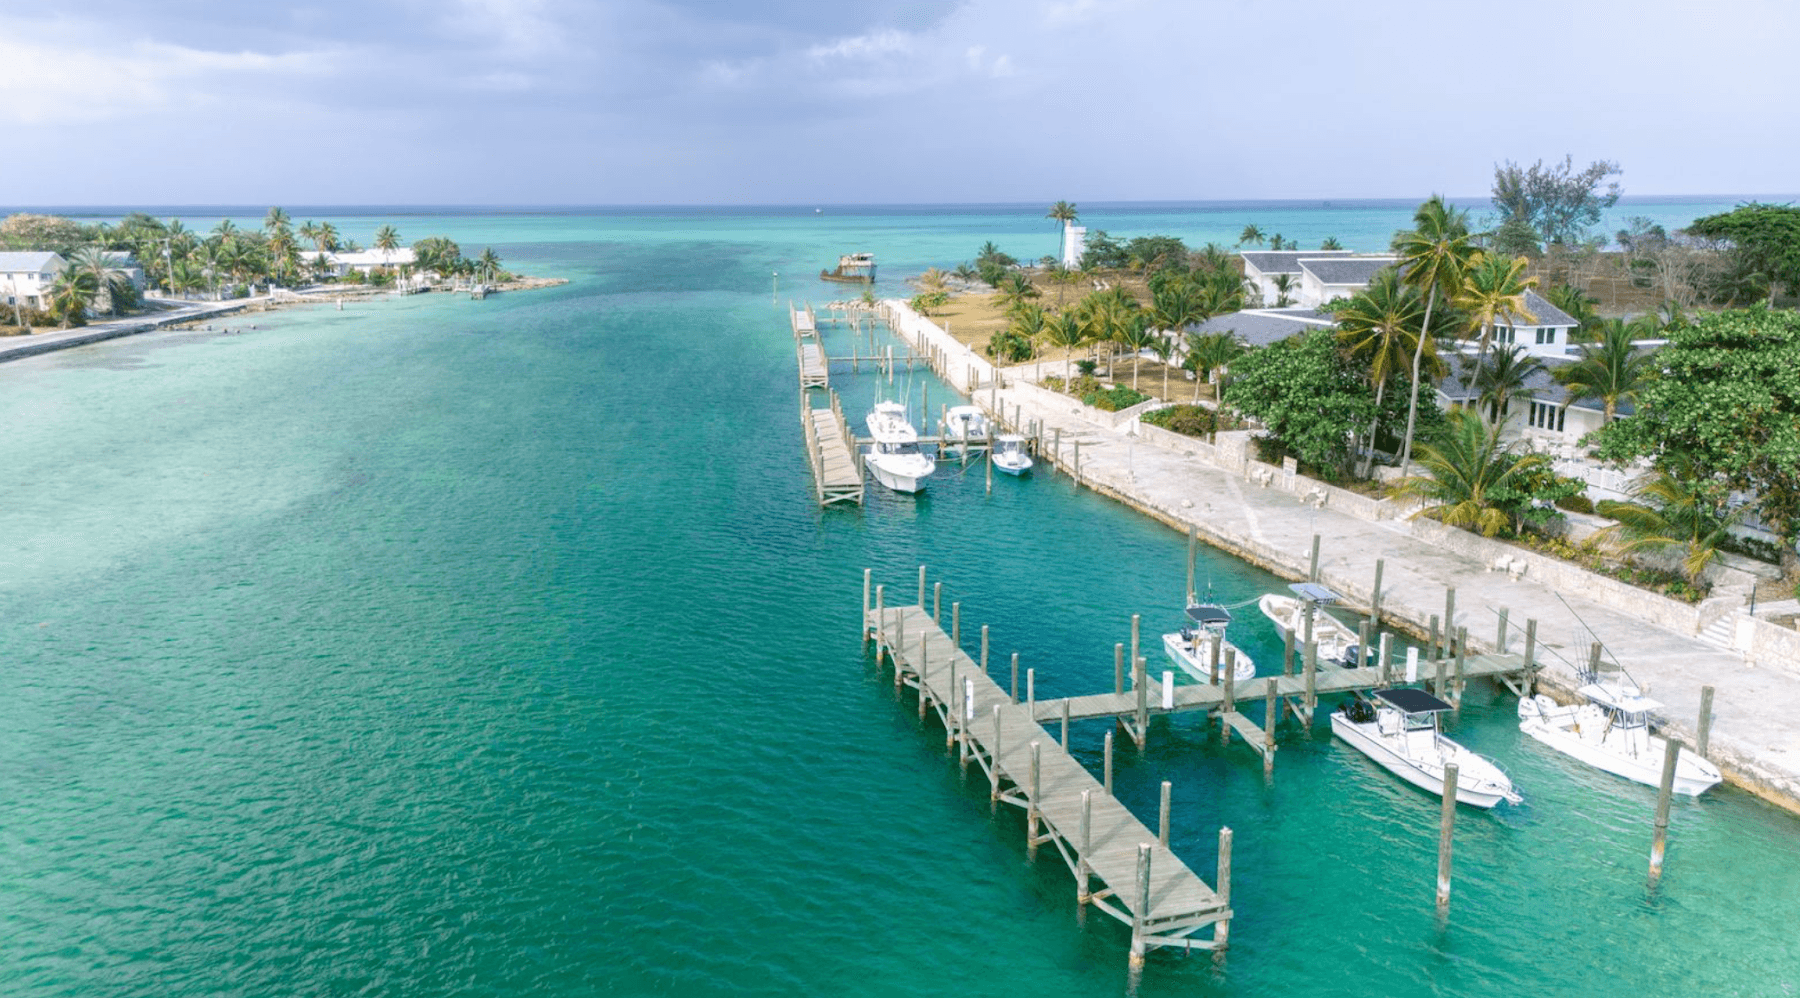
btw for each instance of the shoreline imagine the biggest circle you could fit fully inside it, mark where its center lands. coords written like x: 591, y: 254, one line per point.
x: 195, y: 314
x: 1751, y: 736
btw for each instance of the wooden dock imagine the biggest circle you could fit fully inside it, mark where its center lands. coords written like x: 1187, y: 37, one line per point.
x: 1119, y: 865
x: 831, y: 451
x: 815, y: 370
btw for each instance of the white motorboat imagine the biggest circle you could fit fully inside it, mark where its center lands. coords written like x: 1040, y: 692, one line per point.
x: 1611, y: 731
x: 962, y: 427
x: 893, y: 455
x: 1009, y: 454
x: 1192, y: 646
x: 1399, y: 730
x: 1337, y: 642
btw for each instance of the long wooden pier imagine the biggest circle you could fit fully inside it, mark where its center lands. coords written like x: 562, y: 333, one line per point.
x: 831, y: 451
x: 1120, y: 866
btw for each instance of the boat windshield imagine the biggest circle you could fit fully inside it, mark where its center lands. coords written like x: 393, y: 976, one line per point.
x: 1421, y: 722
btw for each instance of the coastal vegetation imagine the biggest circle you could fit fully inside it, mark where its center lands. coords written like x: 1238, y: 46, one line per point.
x: 226, y: 262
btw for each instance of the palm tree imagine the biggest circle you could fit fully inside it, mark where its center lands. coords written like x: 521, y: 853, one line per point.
x: 1469, y: 473
x: 1027, y: 324
x: 489, y: 263
x: 1673, y: 510
x: 1495, y: 291
x: 1252, y: 234
x: 1381, y: 325
x: 71, y: 295
x: 1065, y: 215
x: 1206, y: 353
x: 1578, y: 304
x: 327, y: 238
x: 1016, y: 290
x: 387, y: 238
x: 1434, y: 257
x: 276, y: 220
x: 226, y: 230
x: 109, y: 280
x: 1064, y: 332
x: 1284, y: 283
x: 1137, y: 335
x: 1503, y: 375
x: 1612, y: 370
x: 1331, y: 243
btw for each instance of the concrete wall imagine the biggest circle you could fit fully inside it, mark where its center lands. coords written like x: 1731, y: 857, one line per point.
x: 1768, y: 642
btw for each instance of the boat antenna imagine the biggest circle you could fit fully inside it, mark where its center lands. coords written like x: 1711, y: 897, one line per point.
x: 1607, y: 652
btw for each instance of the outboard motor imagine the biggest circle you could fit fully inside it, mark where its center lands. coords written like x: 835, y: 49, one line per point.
x: 1353, y: 657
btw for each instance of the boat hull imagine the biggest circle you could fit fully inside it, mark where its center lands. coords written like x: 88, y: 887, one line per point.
x: 1195, y: 658
x: 1693, y: 775
x: 1366, y: 739
x: 907, y: 474
x: 1012, y: 468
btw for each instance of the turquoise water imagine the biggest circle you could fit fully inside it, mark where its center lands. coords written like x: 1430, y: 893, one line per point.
x: 443, y: 647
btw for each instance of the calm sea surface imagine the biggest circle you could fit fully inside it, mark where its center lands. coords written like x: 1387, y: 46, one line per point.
x: 440, y: 647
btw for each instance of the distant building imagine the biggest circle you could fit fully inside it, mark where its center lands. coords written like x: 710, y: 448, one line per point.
x: 25, y: 278
x: 366, y: 261
x: 1262, y: 266
x: 127, y: 265
x: 1544, y: 334
x: 1328, y: 278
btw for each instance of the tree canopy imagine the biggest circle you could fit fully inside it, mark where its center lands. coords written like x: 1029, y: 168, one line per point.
x: 1310, y: 396
x: 1765, y: 238
x: 1553, y: 203
x: 1725, y: 398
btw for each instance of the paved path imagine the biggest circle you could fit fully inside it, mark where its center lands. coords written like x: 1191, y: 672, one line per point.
x: 1755, y: 735
x: 17, y: 347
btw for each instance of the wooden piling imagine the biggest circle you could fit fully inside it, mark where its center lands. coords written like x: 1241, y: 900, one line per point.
x: 1222, y: 928
x: 1193, y: 544
x: 1162, y: 819
x: 1076, y: 472
x: 1108, y: 753
x: 921, y: 587
x: 994, y: 757
x: 1449, y: 612
x: 1446, y: 825
x: 1065, y: 724
x: 937, y: 604
x: 1230, y: 679
x: 1362, y: 643
x: 1142, y: 908
x: 1312, y: 572
x: 1462, y: 652
x: 1703, y: 739
x: 1136, y: 648
x: 880, y: 624
x: 1287, y: 654
x: 1659, y: 839
x: 1212, y: 662
x: 1500, y: 638
x: 1530, y: 651
x: 1385, y: 657
x: 1031, y: 691
x: 863, y: 625
x: 1143, y: 702
x: 1375, y: 598
x: 1031, y: 813
x: 1312, y: 668
x: 1271, y: 711
x: 1594, y: 659
x: 1431, y: 642
x: 1119, y: 669
x: 956, y: 624
x: 984, y: 649
x: 1015, y: 677
x: 1082, y: 894
x: 1056, y: 457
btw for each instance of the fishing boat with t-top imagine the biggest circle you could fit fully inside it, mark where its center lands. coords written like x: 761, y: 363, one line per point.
x: 1611, y: 731
x: 1194, y: 646
x: 1337, y: 642
x: 852, y: 268
x: 893, y: 456
x: 1398, y: 728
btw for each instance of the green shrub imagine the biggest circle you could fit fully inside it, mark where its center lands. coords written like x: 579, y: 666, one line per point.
x: 1188, y: 420
x: 1578, y: 503
x: 1114, y: 399
x: 1010, y: 346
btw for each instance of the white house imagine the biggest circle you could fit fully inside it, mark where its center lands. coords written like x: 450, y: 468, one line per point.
x: 25, y: 278
x: 364, y: 261
x: 1323, y: 279
x: 1543, y: 332
x: 1262, y: 266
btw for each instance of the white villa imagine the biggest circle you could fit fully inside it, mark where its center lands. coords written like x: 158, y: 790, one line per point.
x: 365, y: 261
x: 25, y: 278
x: 1330, y: 278
x: 1262, y: 266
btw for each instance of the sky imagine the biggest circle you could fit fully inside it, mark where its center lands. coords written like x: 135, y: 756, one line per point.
x: 497, y: 102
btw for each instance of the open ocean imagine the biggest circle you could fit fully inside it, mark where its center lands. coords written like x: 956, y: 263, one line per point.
x: 439, y: 647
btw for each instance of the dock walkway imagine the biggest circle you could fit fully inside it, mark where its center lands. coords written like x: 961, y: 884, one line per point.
x: 1142, y: 883
x: 831, y: 451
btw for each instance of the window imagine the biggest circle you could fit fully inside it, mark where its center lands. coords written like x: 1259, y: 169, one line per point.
x: 1503, y: 335
x: 1546, y: 416
x: 1546, y: 334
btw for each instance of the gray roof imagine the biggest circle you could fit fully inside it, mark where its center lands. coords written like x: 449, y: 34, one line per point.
x: 1353, y: 270
x: 1285, y: 261
x: 38, y: 260
x: 1263, y: 326
x: 1546, y: 314
x: 1540, y: 385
